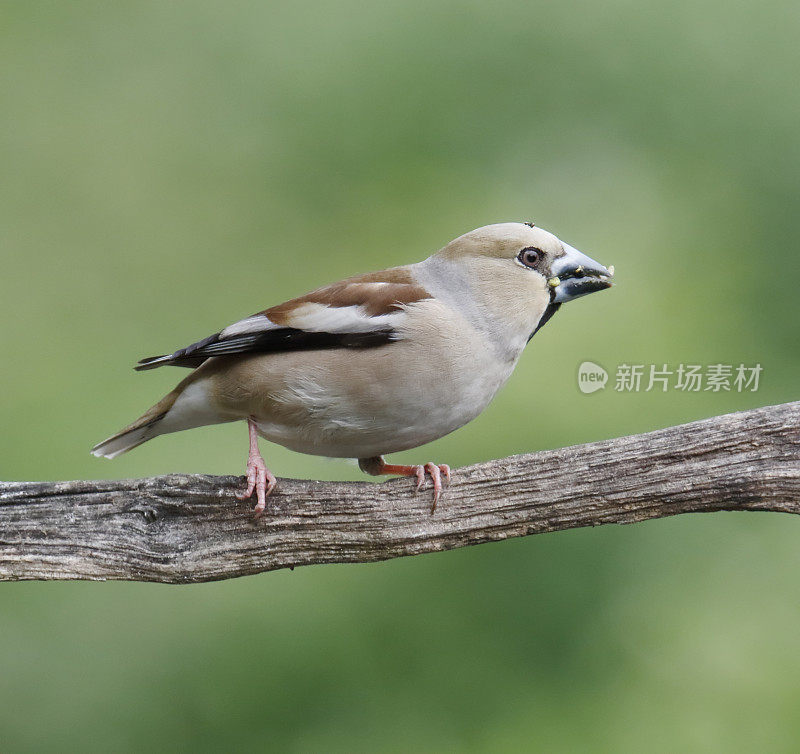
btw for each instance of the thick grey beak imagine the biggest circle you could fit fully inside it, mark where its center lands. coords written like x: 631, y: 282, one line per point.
x: 575, y: 275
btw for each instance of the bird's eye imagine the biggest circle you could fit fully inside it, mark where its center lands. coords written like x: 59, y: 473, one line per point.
x: 530, y: 257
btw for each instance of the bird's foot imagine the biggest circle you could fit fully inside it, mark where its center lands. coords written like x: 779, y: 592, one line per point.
x: 439, y: 473
x: 436, y: 472
x: 259, y: 478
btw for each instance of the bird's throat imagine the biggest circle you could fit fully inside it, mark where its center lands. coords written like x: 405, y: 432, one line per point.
x: 551, y: 309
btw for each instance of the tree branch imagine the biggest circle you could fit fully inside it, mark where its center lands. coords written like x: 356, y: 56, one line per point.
x: 181, y: 529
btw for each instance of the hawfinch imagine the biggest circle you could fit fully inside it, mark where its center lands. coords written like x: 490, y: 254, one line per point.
x: 377, y: 363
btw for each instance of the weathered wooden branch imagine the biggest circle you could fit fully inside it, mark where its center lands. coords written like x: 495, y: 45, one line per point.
x: 181, y: 529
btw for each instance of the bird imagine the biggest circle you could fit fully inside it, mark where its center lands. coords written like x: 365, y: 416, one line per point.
x: 378, y: 363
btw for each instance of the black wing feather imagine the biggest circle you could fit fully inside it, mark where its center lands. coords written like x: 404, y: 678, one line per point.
x: 269, y: 341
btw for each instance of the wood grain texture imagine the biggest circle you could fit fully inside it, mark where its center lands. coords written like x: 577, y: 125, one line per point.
x: 181, y: 529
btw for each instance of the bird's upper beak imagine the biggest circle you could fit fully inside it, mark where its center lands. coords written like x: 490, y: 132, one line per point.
x: 575, y: 275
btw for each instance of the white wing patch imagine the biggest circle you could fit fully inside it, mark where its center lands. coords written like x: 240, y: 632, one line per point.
x: 313, y: 317
x: 340, y: 319
x: 256, y: 323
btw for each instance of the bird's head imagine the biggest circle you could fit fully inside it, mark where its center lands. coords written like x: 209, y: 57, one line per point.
x: 520, y: 274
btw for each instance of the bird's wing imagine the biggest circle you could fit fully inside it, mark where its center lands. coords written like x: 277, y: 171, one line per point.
x: 360, y: 312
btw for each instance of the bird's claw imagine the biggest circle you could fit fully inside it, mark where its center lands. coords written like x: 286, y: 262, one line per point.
x: 259, y: 480
x: 436, y: 471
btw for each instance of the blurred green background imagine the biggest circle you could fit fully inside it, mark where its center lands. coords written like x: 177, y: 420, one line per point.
x: 170, y: 167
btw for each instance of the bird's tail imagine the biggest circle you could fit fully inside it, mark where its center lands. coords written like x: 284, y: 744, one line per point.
x: 145, y: 428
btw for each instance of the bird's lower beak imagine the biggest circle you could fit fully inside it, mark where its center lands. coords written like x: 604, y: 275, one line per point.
x: 575, y: 274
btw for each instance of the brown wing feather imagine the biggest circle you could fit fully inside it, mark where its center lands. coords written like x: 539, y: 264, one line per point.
x: 397, y: 288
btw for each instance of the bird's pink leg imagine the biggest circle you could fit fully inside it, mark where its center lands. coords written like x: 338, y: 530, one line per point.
x: 377, y: 467
x: 259, y: 477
